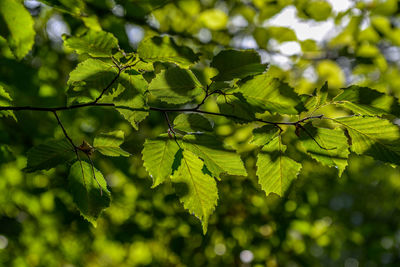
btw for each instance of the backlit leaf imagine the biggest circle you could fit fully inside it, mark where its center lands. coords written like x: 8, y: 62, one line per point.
x: 192, y: 123
x: 109, y: 144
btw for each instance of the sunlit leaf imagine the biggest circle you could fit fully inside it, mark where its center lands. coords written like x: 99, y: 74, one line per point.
x: 6, y: 101
x: 192, y: 123
x: 158, y: 157
x: 275, y: 170
x: 198, y: 191
x: 264, y: 134
x: 94, y: 43
x: 16, y: 27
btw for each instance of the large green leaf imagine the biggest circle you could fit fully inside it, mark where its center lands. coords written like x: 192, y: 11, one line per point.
x: 233, y: 64
x: 84, y: 186
x: 276, y: 171
x: 132, y: 102
x: 175, y: 86
x: 364, y: 101
x: 272, y: 94
x: 164, y: 49
x: 94, y: 43
x: 16, y: 27
x: 198, y: 191
x: 108, y: 144
x: 237, y: 106
x: 216, y: 158
x: 48, y: 155
x: 5, y: 101
x: 335, y: 148
x: 158, y: 157
x: 373, y: 136
x: 89, y: 78
x: 192, y: 123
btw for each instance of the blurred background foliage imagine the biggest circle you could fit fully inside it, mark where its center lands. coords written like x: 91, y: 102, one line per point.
x: 322, y: 221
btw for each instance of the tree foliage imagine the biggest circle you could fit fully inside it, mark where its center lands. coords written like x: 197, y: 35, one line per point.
x: 204, y: 108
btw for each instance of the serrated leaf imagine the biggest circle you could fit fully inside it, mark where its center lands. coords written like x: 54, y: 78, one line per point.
x: 158, y: 158
x: 17, y: 27
x: 192, y: 123
x: 164, y: 49
x: 94, y: 43
x: 334, y: 142
x: 201, y: 193
x: 86, y: 193
x: 108, y: 144
x: 373, y: 136
x: 264, y: 134
x: 5, y: 101
x: 364, y: 101
x: 49, y: 155
x: 233, y: 64
x: 272, y: 94
x: 89, y: 78
x: 276, y: 171
x: 132, y: 102
x: 217, y: 158
x: 175, y: 86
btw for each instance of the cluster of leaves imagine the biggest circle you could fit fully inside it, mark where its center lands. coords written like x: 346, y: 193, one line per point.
x: 161, y: 71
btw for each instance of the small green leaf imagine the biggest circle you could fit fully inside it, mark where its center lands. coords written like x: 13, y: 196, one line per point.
x: 264, y: 134
x: 89, y: 78
x: 5, y: 101
x: 175, y: 86
x: 319, y: 10
x: 192, y: 123
x: 200, y: 193
x: 108, y: 144
x: 94, y: 43
x: 214, y: 19
x: 17, y: 27
x: 272, y: 94
x: 85, y: 190
x: 158, y: 157
x: 373, y: 136
x: 132, y: 102
x: 217, y: 158
x: 49, y: 155
x: 164, y: 49
x: 233, y: 64
x: 335, y: 149
x: 276, y: 171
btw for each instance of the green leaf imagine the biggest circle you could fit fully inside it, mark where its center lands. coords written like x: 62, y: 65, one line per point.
x: 364, y: 101
x: 373, y: 136
x: 233, y: 64
x: 6, y: 154
x: 49, y: 155
x: 276, y: 171
x: 217, y: 158
x: 272, y: 94
x: 175, y: 86
x: 86, y: 192
x: 236, y: 105
x: 132, y: 103
x: 214, y: 19
x: 16, y: 27
x: 200, y: 193
x: 108, y: 144
x: 264, y: 134
x: 6, y: 101
x: 73, y: 7
x: 158, y: 157
x: 89, y: 78
x: 164, y: 49
x: 319, y: 10
x: 94, y: 43
x: 192, y: 123
x: 335, y: 149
